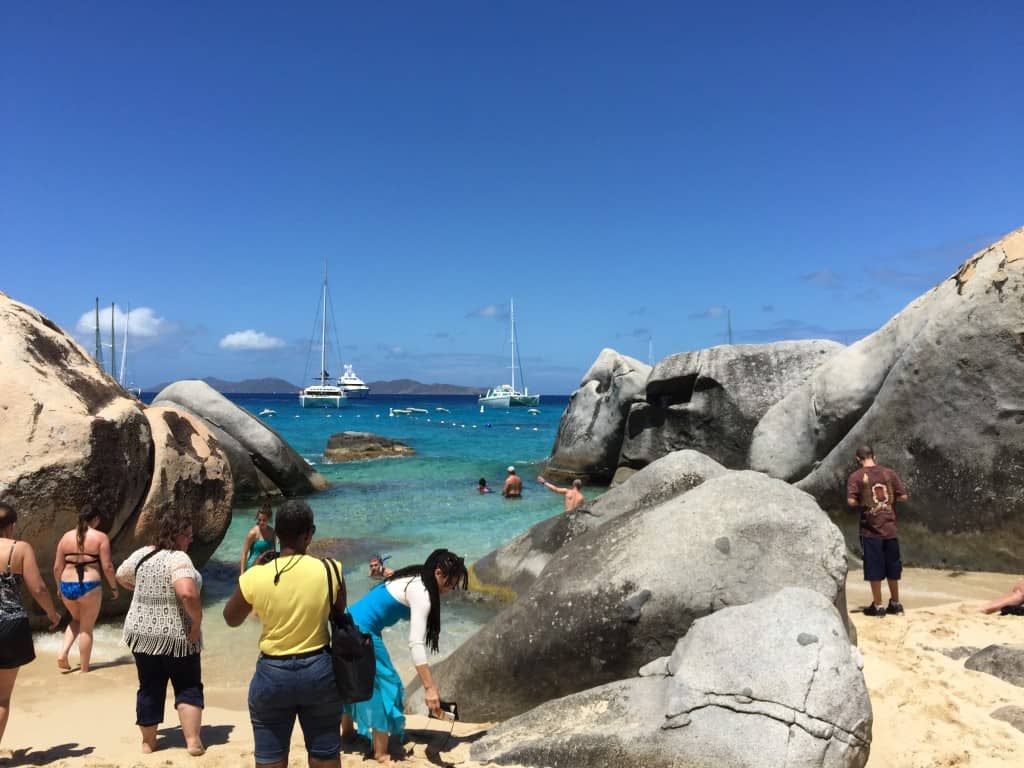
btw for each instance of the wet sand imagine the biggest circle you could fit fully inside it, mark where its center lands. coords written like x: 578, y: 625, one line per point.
x: 929, y: 710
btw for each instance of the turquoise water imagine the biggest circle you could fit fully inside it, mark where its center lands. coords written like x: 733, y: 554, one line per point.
x: 404, y: 507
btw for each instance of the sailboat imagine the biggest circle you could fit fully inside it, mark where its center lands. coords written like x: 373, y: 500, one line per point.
x: 127, y: 386
x: 506, y: 395
x: 323, y: 395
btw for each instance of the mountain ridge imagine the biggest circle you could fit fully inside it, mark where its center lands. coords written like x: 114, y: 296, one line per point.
x: 276, y: 386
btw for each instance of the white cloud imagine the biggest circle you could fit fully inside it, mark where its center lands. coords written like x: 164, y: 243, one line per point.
x: 250, y: 339
x: 142, y: 324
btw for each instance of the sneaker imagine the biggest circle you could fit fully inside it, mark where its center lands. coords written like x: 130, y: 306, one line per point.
x: 894, y: 607
x: 875, y: 610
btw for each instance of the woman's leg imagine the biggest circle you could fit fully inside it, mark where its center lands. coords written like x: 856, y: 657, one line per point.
x: 1014, y: 597
x: 70, y: 632
x: 149, y: 701
x: 88, y: 612
x: 191, y: 718
x: 7, y: 678
x: 380, y: 747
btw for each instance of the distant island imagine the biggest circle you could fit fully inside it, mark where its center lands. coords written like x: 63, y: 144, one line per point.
x: 272, y: 386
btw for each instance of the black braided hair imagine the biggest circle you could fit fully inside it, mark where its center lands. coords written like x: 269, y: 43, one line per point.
x: 454, y: 573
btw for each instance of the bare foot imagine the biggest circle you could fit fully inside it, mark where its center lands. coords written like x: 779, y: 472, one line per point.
x: 148, y: 748
x: 384, y: 759
x: 196, y: 749
x: 62, y: 663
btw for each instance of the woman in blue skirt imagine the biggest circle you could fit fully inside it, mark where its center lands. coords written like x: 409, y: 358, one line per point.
x: 412, y: 593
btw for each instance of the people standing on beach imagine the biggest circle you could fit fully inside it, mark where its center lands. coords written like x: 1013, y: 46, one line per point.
x: 81, y: 561
x: 294, y: 676
x: 482, y: 487
x: 1015, y: 597
x: 412, y: 593
x: 162, y: 629
x: 876, y: 490
x: 513, y: 488
x: 573, y: 496
x: 261, y: 538
x: 17, y: 565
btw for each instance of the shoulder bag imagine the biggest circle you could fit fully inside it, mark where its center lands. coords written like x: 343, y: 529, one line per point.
x: 355, y: 665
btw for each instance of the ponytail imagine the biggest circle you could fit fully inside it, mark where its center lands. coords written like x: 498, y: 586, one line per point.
x: 84, y: 516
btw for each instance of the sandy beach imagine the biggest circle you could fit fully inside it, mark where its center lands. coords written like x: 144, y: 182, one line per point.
x: 929, y: 710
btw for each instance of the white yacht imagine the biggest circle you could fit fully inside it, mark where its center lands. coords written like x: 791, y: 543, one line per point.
x: 506, y: 395
x: 355, y: 388
x: 323, y: 394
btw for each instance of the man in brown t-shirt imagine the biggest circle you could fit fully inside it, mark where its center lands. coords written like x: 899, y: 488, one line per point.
x: 875, y: 490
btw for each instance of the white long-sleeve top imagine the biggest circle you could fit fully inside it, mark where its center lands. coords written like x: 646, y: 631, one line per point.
x: 411, y: 592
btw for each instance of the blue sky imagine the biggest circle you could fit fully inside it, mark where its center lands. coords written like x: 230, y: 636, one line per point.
x: 625, y: 171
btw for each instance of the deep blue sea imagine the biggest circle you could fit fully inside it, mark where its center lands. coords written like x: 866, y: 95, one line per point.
x: 405, y: 506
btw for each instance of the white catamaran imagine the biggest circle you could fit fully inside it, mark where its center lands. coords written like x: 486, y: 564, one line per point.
x: 323, y: 394
x: 506, y: 395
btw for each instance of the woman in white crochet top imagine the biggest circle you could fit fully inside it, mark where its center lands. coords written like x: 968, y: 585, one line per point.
x: 162, y: 631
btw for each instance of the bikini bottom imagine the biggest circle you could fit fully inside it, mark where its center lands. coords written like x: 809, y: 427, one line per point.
x: 74, y: 590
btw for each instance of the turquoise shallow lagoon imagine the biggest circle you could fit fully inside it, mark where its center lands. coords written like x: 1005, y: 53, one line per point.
x: 404, y: 507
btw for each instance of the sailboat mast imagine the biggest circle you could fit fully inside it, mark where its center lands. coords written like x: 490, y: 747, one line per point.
x: 512, y: 325
x: 99, y: 343
x: 113, y: 350
x: 323, y: 333
x: 124, y: 349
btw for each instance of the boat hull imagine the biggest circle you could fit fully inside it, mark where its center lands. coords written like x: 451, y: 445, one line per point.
x: 509, y: 401
x: 321, y: 400
x: 357, y: 393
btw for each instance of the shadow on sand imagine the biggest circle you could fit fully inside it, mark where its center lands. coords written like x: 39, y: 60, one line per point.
x: 46, y: 756
x: 438, y: 741
x: 212, y: 735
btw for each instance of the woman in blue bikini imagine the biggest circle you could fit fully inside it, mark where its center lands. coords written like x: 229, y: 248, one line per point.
x: 412, y: 593
x: 81, y: 555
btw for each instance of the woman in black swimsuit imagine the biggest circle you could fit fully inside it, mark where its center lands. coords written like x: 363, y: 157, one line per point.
x: 17, y: 564
x: 81, y: 553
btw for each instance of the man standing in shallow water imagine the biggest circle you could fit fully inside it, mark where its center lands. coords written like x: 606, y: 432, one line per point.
x: 573, y: 496
x: 513, y: 488
x: 875, y: 489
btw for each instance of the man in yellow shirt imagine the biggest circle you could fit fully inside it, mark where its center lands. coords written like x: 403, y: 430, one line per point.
x: 294, y: 676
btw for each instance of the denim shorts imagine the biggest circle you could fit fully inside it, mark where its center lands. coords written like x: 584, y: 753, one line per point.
x: 283, y: 689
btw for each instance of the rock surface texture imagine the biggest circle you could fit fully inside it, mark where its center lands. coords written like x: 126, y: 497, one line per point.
x: 69, y: 436
x: 618, y: 597
x: 592, y: 426
x: 712, y: 399
x: 271, y: 456
x: 773, y: 683
x: 516, y: 565
x: 937, y: 393
x: 70, y: 439
x: 1003, y: 661
x: 356, y: 446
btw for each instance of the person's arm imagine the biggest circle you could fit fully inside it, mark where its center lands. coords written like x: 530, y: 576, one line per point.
x: 341, y: 598
x: 126, y: 571
x: 36, y: 585
x: 58, y: 562
x: 419, y: 608
x: 187, y: 590
x: 550, y: 487
x: 245, y: 549
x: 108, y: 565
x: 236, y: 609
x: 900, y: 491
x: 852, y: 492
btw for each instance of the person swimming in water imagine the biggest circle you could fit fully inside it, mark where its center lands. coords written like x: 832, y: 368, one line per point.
x: 482, y: 487
x: 260, y: 540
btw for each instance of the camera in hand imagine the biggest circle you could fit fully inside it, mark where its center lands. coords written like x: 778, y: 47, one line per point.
x: 449, y: 711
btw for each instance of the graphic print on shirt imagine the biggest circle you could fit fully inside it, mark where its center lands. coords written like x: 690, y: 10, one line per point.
x: 879, y: 497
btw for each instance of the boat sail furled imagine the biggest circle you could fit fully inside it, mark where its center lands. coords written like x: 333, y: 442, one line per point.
x: 506, y: 395
x: 323, y: 394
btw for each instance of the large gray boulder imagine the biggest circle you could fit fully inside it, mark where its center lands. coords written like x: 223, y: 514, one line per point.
x: 937, y: 393
x: 773, y: 683
x: 711, y: 400
x: 513, y: 567
x: 69, y: 436
x: 620, y: 596
x: 592, y: 426
x: 1003, y: 661
x: 268, y: 451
